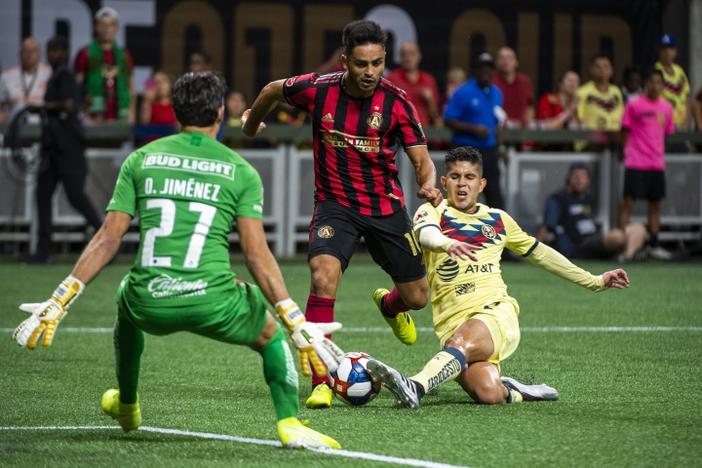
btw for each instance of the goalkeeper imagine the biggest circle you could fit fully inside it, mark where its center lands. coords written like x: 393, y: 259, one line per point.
x: 475, y: 319
x: 188, y: 190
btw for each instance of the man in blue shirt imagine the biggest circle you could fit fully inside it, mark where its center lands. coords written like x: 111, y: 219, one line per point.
x: 474, y: 113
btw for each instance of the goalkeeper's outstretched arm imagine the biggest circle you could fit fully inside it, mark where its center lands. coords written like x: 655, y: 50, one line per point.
x: 46, y: 316
x: 551, y: 260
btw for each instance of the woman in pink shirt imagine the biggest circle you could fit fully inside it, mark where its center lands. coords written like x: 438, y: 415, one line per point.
x: 647, y: 119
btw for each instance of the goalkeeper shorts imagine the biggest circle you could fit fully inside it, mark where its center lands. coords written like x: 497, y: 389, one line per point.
x: 501, y: 319
x: 237, y: 320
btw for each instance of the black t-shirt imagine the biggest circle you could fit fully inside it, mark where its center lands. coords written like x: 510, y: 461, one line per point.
x: 64, y: 131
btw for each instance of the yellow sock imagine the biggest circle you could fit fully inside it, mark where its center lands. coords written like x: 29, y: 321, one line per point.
x: 445, y: 365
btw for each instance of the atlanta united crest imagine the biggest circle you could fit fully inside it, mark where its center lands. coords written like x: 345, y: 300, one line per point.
x: 325, y: 232
x: 375, y: 120
x: 488, y: 231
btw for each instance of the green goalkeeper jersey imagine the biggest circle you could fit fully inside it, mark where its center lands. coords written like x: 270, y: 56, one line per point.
x: 187, y: 189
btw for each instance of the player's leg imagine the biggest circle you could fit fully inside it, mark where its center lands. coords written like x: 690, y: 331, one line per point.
x: 123, y: 404
x: 471, y: 340
x: 655, y: 192
x: 393, y: 247
x: 333, y: 240
x: 625, y: 209
x: 614, y: 240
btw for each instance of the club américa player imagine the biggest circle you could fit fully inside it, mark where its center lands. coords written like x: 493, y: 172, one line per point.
x: 358, y: 120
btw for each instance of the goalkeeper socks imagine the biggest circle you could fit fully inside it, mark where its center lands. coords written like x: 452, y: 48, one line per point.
x: 320, y: 310
x: 129, y: 344
x: 447, y: 364
x: 281, y: 376
x: 393, y: 304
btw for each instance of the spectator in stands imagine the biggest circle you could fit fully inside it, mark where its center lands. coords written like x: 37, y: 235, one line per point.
x: 104, y: 69
x: 199, y: 61
x: 516, y: 87
x: 62, y: 154
x: 157, y: 105
x: 600, y: 103
x: 419, y: 85
x: 333, y: 63
x: 647, y: 119
x: 676, y: 87
x: 24, y: 83
x: 697, y: 110
x: 569, y: 221
x: 558, y: 110
x: 475, y: 113
x: 236, y: 105
x: 455, y: 77
x: 632, y: 83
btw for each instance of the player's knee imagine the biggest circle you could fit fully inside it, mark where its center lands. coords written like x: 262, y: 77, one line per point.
x: 617, y: 238
x: 490, y: 394
x: 416, y: 297
x: 269, y: 329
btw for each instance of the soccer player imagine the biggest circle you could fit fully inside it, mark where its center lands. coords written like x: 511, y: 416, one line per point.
x: 474, y: 317
x: 187, y: 190
x: 648, y: 118
x: 359, y: 119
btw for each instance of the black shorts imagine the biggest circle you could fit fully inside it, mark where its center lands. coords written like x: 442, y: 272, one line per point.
x: 336, y: 230
x: 649, y: 185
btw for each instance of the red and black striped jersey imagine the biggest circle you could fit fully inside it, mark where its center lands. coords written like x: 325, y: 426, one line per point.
x: 355, y: 140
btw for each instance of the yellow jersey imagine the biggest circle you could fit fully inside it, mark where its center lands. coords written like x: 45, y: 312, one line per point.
x: 457, y: 285
x: 676, y: 90
x: 598, y: 110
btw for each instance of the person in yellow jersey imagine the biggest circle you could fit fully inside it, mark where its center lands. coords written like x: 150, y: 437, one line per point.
x: 600, y: 103
x: 475, y: 319
x: 676, y: 86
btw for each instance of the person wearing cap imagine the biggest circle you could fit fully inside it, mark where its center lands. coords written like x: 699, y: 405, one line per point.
x: 475, y: 113
x: 569, y: 221
x: 104, y: 69
x: 676, y: 86
x: 62, y: 153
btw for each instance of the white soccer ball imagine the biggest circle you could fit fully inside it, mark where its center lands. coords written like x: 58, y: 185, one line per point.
x: 351, y: 382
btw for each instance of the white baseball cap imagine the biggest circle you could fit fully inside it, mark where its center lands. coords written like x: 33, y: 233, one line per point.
x: 107, y: 12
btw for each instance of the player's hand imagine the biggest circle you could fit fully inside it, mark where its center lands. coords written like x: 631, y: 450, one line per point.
x: 309, y: 339
x: 462, y: 250
x: 46, y: 316
x: 317, y: 349
x: 617, y: 279
x: 431, y: 194
x: 245, y: 118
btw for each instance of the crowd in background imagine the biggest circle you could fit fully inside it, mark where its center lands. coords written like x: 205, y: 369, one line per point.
x: 495, y: 95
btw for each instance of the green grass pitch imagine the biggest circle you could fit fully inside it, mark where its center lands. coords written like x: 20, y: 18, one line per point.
x: 628, y: 398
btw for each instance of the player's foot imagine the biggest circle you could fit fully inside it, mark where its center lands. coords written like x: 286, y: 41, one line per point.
x: 321, y: 397
x: 531, y: 392
x: 402, y: 324
x: 404, y: 389
x: 127, y: 415
x: 659, y: 253
x: 293, y: 434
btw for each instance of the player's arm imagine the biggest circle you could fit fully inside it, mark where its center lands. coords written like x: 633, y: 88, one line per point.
x: 46, y: 316
x: 550, y: 260
x: 425, y: 173
x: 267, y: 99
x: 429, y: 235
x: 308, y: 337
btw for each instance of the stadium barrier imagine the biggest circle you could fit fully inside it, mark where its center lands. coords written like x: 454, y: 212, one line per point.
x: 288, y: 176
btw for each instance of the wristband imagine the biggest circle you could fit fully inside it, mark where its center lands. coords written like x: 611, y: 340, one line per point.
x: 67, y: 292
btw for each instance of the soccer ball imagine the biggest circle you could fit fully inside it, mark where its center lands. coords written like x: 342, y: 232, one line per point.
x: 351, y: 382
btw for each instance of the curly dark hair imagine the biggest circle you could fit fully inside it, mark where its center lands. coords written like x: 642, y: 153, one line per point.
x: 197, y: 97
x: 362, y: 32
x: 464, y: 153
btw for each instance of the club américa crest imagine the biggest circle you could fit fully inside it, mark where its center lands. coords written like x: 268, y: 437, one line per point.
x: 488, y: 231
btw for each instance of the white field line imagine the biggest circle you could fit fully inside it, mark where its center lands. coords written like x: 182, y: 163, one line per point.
x: 549, y: 329
x: 248, y: 440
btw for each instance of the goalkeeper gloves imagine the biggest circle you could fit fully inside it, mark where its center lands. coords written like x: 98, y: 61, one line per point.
x: 309, y: 339
x: 47, y: 315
